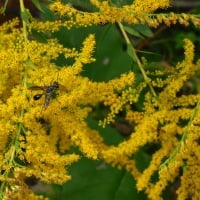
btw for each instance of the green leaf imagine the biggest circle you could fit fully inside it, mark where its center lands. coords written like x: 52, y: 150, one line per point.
x: 109, y: 134
x: 112, y: 59
x: 25, y: 15
x: 142, y: 159
x: 41, y: 37
x: 143, y: 29
x: 3, y: 7
x: 132, y: 31
x: 29, y: 63
x: 127, y: 188
x: 96, y: 180
x: 2, y: 10
x: 37, y: 5
x: 130, y: 51
x: 121, y: 3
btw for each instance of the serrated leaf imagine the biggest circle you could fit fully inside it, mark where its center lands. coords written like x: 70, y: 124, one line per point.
x: 132, y: 31
x: 37, y: 5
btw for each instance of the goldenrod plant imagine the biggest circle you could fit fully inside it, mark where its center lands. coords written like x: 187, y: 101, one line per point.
x: 62, y: 104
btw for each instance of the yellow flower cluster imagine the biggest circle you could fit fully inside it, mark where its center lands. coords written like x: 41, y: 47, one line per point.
x: 139, y: 12
x: 36, y: 136
x: 161, y: 123
x: 135, y: 13
x: 107, y: 13
x: 37, y: 133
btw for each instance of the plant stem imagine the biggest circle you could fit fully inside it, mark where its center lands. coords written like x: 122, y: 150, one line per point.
x: 136, y: 59
x: 183, y: 138
x: 10, y: 161
x: 24, y: 27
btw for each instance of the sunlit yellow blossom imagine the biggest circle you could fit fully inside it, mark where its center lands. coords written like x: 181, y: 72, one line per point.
x: 168, y: 120
x: 144, y: 179
x: 150, y: 5
x: 135, y: 13
x: 36, y: 137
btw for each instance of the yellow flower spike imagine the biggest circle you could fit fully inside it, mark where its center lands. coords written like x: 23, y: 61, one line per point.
x: 189, y: 51
x: 82, y: 138
x: 107, y: 13
x: 137, y: 12
x: 116, y: 102
x: 150, y: 5
x: 145, y: 178
x: 41, y: 137
x: 44, y: 161
x: 134, y: 117
x: 87, y: 50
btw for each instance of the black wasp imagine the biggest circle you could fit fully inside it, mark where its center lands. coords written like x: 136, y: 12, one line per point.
x: 48, y: 91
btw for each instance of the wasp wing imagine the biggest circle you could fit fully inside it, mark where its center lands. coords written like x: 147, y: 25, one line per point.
x: 37, y: 88
x: 62, y: 87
